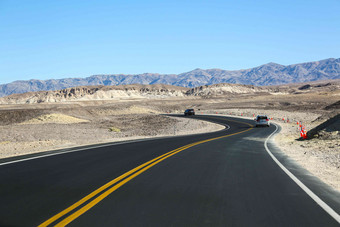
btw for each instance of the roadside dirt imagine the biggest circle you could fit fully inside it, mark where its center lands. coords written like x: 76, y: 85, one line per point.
x: 29, y: 128
x: 54, y: 131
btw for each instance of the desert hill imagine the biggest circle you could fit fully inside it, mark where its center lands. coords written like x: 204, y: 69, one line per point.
x: 161, y: 91
x: 100, y: 92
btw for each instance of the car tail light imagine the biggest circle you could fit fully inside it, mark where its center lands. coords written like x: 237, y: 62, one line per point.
x: 267, y: 119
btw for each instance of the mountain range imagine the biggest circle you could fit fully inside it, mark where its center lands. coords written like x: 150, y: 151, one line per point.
x: 267, y: 74
x: 161, y: 91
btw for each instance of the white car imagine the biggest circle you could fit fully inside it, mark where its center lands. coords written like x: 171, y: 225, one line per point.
x: 262, y: 120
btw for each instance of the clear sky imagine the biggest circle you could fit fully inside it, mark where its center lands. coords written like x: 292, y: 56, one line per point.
x: 63, y: 38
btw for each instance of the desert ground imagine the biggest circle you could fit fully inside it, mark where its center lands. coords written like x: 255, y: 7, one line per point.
x: 36, y: 127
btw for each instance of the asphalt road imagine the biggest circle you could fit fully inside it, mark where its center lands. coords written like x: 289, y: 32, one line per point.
x: 224, y: 178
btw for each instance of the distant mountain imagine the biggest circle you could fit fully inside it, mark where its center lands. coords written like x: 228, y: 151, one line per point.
x: 268, y: 74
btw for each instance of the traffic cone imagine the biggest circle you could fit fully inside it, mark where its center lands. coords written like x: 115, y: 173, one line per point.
x: 304, y: 134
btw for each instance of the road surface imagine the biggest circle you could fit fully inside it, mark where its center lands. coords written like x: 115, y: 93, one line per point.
x: 225, y: 178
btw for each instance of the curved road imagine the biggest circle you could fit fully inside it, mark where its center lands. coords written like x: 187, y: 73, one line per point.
x: 225, y: 178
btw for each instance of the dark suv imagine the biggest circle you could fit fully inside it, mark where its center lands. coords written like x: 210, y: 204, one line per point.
x: 189, y: 112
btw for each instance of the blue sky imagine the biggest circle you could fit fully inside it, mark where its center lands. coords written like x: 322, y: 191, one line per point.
x: 63, y: 38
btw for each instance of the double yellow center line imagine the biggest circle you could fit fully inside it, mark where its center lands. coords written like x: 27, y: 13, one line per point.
x: 113, y: 185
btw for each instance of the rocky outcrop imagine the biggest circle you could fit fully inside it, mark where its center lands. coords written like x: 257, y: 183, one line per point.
x: 159, y: 91
x: 327, y: 130
x: 334, y: 106
x: 224, y: 89
x: 96, y: 93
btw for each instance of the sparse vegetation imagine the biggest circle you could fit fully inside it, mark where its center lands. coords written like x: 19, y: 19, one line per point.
x: 114, y: 129
x: 4, y: 142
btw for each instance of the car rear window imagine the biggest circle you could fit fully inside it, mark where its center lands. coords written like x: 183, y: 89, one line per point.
x: 262, y: 117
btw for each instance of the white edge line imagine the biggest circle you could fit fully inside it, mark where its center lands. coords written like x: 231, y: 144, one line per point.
x: 63, y: 152
x: 311, y: 194
x: 93, y: 147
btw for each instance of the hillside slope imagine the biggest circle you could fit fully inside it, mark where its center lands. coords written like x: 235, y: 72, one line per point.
x: 161, y: 91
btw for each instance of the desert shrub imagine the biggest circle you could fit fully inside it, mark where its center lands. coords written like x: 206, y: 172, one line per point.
x: 114, y: 129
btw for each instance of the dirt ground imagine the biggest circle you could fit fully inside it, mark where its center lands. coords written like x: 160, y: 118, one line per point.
x: 30, y: 128
x: 36, y: 130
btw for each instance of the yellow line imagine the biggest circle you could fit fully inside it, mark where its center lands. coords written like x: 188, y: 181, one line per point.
x: 135, y: 172
x: 108, y: 192
x: 102, y: 188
